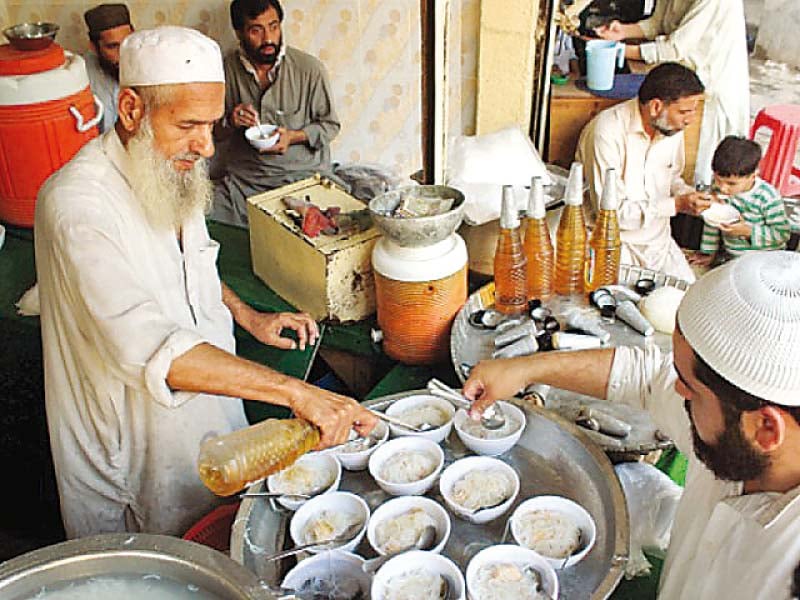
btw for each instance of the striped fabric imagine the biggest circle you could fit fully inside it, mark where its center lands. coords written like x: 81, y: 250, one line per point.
x: 761, y: 207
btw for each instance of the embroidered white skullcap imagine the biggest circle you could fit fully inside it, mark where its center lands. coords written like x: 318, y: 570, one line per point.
x: 743, y: 319
x: 168, y: 55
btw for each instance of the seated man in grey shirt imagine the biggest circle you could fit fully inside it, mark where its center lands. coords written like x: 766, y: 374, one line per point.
x: 270, y: 82
x: 109, y: 25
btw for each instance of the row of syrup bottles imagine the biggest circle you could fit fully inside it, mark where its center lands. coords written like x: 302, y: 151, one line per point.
x: 529, y: 269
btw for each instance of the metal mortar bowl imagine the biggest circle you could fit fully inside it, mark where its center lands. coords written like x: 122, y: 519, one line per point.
x: 417, y: 231
x: 31, y: 36
x: 116, y: 555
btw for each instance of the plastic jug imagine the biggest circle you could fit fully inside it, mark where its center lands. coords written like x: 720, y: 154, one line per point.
x: 602, y: 59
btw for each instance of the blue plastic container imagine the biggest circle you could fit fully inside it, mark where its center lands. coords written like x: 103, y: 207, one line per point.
x: 602, y: 59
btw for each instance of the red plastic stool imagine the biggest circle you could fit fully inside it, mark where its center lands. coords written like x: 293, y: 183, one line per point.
x: 777, y: 167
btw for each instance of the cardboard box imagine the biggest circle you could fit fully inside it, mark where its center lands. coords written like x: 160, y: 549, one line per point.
x: 329, y: 277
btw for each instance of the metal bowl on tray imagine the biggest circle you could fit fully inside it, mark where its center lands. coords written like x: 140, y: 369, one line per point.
x: 165, y: 562
x: 413, y: 231
x: 553, y: 457
x: 31, y: 36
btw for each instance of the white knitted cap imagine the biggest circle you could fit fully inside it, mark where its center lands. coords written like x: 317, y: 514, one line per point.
x: 743, y: 319
x: 169, y: 55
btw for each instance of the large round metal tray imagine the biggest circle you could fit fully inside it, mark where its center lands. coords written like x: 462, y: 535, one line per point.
x: 552, y: 457
x: 124, y: 554
x: 469, y: 345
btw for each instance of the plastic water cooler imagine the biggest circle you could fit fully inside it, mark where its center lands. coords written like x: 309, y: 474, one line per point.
x: 47, y: 113
x: 420, y: 268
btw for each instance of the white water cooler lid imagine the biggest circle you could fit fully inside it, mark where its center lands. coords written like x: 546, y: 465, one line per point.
x: 425, y: 263
x: 68, y: 79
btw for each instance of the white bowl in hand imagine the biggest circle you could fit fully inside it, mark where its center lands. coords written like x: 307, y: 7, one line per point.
x: 720, y: 214
x: 262, y: 137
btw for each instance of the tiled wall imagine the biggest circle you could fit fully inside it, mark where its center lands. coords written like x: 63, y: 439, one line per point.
x: 370, y: 47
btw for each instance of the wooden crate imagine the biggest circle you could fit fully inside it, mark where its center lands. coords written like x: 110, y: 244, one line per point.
x: 329, y: 277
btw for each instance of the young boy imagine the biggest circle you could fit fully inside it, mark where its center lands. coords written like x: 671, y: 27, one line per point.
x: 763, y: 224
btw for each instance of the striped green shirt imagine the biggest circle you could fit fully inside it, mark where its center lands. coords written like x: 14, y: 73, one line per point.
x: 761, y: 207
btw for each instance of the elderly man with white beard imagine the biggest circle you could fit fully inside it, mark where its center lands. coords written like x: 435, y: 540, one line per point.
x: 137, y: 328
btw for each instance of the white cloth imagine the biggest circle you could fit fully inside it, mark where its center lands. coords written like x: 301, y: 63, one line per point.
x: 105, y: 87
x: 709, y: 37
x: 649, y: 178
x: 479, y: 166
x: 119, y: 302
x: 169, y: 55
x: 724, y: 544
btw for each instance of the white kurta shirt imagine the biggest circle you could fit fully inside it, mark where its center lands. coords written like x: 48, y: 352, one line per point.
x: 724, y: 544
x: 105, y: 87
x: 709, y: 37
x: 649, y: 175
x: 119, y: 302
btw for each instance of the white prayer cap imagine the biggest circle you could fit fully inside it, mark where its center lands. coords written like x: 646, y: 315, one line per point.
x: 743, y: 319
x: 168, y: 55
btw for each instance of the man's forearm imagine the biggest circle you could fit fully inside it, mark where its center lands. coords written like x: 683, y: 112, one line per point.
x: 211, y: 370
x: 240, y: 310
x: 583, y: 372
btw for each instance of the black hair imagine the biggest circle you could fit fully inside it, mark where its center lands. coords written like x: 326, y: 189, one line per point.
x: 733, y: 399
x: 670, y: 82
x: 250, y: 9
x: 736, y: 157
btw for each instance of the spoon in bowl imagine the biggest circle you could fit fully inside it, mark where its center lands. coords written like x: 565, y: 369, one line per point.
x: 347, y: 535
x: 425, y: 541
x: 492, y: 418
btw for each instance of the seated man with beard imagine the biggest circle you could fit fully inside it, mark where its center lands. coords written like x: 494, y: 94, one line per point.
x: 137, y: 328
x: 730, y: 392
x: 642, y: 139
x: 109, y: 25
x: 267, y: 81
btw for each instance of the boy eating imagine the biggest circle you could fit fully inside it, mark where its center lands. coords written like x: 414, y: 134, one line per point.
x: 762, y: 224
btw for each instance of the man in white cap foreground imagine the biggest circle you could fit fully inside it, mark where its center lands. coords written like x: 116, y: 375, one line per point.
x: 136, y: 325
x: 734, y: 370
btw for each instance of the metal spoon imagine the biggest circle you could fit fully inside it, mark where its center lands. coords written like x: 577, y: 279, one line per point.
x: 345, y: 537
x: 536, y: 577
x: 425, y: 541
x: 291, y: 497
x: 480, y: 509
x: 492, y: 418
x: 384, y: 417
x: 446, y: 591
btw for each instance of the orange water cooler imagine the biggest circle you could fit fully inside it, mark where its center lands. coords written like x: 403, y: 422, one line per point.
x: 47, y: 113
x: 419, y: 292
x: 420, y: 269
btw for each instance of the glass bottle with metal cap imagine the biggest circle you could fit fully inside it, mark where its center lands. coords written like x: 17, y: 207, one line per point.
x: 510, y: 288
